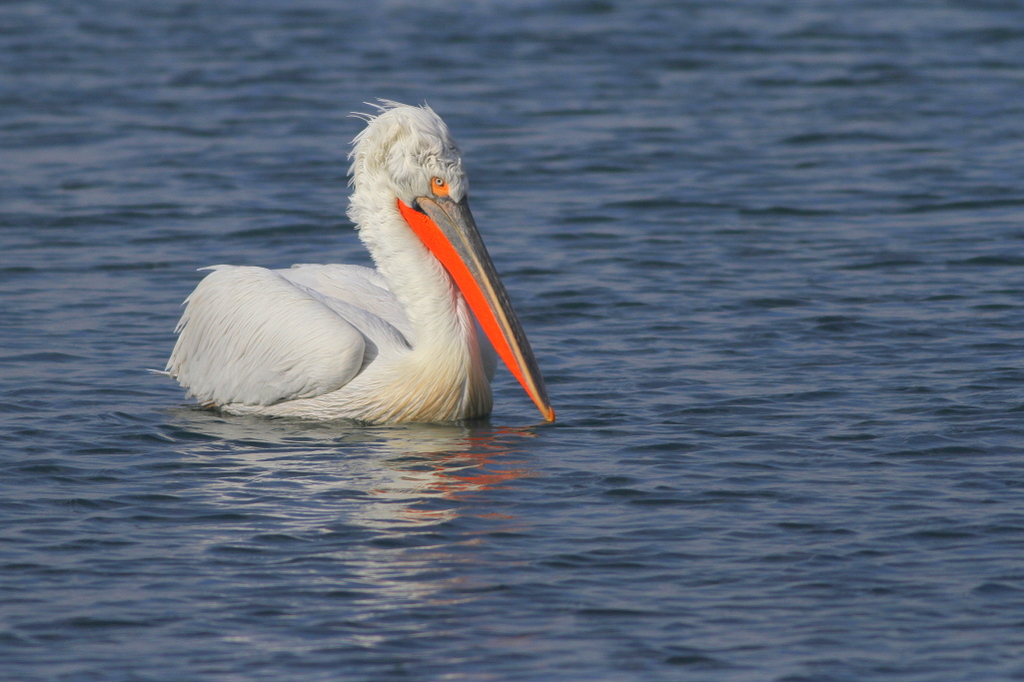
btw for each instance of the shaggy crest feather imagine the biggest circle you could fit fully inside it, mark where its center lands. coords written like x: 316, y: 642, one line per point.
x: 402, y: 148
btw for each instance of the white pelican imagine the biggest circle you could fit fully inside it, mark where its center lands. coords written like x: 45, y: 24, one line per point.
x: 395, y: 344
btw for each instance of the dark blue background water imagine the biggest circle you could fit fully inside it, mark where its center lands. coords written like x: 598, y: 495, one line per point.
x: 770, y: 256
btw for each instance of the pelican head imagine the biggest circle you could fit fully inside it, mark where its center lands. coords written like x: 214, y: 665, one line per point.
x: 403, y: 149
x: 408, y: 179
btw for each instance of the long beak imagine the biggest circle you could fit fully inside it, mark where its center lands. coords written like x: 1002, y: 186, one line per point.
x: 447, y: 228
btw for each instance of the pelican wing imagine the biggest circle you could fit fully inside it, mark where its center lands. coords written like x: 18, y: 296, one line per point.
x: 362, y: 296
x: 359, y: 294
x: 250, y: 336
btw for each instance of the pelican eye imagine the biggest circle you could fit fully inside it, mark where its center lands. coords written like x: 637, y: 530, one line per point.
x: 438, y: 186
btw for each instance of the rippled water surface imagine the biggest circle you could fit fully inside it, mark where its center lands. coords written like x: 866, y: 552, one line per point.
x: 771, y: 259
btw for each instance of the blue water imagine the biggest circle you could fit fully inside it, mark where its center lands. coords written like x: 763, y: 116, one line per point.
x: 770, y: 256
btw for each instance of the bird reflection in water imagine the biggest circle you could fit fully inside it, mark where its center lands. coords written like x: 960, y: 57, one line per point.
x: 388, y: 516
x: 383, y: 476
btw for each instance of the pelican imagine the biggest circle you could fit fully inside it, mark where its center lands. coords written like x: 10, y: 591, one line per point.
x: 398, y: 343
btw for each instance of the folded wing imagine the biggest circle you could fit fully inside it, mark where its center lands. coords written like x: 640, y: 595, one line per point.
x: 250, y: 336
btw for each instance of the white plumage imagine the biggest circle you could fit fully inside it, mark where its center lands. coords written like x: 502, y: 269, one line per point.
x: 398, y: 343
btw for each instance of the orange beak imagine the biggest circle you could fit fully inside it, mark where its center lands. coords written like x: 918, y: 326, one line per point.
x: 448, y: 230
